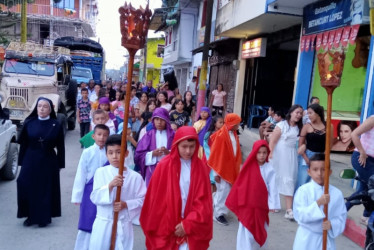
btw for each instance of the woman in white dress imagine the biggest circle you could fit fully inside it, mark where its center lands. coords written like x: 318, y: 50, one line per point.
x: 284, y: 154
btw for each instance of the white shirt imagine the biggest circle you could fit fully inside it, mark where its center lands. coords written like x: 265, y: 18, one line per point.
x: 191, y: 86
x: 93, y: 97
x: 309, y: 216
x: 91, y: 159
x: 233, y: 141
x: 161, y: 141
x: 184, y: 181
x: 268, y: 174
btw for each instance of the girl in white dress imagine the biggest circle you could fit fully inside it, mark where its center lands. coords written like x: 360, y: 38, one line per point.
x: 284, y: 154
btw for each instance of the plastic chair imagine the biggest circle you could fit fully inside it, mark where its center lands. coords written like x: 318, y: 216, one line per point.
x: 256, y: 112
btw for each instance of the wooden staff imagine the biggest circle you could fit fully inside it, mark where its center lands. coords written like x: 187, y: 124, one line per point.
x: 123, y: 143
x: 329, y: 90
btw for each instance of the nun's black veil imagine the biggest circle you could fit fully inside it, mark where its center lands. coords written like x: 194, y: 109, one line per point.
x: 34, y: 113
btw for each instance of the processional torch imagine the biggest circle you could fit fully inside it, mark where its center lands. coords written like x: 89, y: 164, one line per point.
x: 134, y: 25
x: 330, y: 67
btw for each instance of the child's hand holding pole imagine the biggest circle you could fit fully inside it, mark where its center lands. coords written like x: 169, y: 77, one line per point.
x: 116, y: 182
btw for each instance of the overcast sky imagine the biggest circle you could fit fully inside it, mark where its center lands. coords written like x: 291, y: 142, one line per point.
x: 108, y: 29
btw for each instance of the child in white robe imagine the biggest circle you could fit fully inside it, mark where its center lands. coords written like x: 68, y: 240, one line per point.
x: 133, y: 191
x: 308, y: 209
x: 91, y: 159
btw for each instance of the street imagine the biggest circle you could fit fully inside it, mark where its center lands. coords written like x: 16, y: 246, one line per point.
x: 62, y: 232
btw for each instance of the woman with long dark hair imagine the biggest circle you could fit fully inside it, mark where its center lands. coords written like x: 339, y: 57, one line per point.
x: 218, y: 100
x: 284, y: 154
x: 189, y: 105
x: 343, y: 143
x: 162, y: 101
x: 312, y: 141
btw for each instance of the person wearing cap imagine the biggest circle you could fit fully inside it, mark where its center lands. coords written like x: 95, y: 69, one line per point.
x: 155, y: 144
x: 38, y: 184
x: 225, y: 149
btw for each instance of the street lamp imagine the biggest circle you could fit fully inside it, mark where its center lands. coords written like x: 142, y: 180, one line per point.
x: 134, y: 25
x: 330, y: 80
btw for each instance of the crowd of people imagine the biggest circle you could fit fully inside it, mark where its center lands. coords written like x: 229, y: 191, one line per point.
x: 173, y: 165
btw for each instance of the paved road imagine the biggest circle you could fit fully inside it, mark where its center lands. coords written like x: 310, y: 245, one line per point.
x: 62, y: 232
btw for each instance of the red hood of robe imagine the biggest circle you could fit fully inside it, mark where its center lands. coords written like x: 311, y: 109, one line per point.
x: 162, y: 206
x: 248, y: 198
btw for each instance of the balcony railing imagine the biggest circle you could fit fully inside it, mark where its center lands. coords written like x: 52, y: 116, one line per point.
x: 40, y: 9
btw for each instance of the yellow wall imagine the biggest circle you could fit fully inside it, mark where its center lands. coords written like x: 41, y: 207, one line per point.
x: 152, y: 52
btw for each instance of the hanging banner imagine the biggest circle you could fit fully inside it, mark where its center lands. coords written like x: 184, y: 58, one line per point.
x: 302, y: 43
x: 312, y: 38
x: 318, y: 41
x: 353, y: 35
x: 307, y: 43
x: 327, y: 15
x: 331, y: 38
x: 338, y: 37
x: 325, y: 39
x: 345, y: 36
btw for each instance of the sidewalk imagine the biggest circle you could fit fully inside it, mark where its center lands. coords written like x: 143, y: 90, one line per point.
x: 354, y: 231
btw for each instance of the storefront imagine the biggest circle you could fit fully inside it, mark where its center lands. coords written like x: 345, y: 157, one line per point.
x: 270, y: 70
x: 334, y: 46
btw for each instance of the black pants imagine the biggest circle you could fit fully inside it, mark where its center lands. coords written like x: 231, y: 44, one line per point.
x: 217, y: 110
x: 85, y: 128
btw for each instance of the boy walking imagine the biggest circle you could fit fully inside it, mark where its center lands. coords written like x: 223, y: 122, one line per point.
x: 308, y: 209
x: 225, y: 159
x: 252, y: 196
x: 177, y: 211
x: 106, y: 181
x: 83, y: 112
x: 91, y: 159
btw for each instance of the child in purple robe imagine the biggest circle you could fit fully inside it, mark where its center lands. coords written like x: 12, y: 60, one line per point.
x: 104, y: 104
x: 91, y: 159
x: 155, y: 144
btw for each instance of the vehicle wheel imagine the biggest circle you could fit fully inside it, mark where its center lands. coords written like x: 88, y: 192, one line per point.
x: 71, y: 93
x: 71, y: 122
x: 9, y: 171
x: 61, y: 118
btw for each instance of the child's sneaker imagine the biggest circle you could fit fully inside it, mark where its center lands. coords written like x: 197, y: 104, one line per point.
x: 221, y: 220
x: 289, y: 215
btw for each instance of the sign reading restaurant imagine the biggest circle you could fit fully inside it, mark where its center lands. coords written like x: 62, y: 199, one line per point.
x: 254, y: 48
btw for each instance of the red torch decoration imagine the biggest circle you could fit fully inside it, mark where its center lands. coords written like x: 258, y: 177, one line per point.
x: 134, y: 27
x: 330, y: 79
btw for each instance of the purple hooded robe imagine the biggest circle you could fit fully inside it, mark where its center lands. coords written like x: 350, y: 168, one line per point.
x: 148, y: 143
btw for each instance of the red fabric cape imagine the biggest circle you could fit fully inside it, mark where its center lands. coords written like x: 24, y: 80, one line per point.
x: 162, y: 206
x: 221, y: 151
x: 248, y: 198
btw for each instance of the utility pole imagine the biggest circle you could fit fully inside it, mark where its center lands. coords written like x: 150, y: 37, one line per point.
x: 204, y: 64
x: 24, y: 21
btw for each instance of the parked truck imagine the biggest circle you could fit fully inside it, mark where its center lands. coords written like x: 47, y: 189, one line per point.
x: 32, y: 70
x: 85, y: 53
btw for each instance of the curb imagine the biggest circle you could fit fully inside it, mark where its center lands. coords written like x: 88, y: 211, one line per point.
x: 355, y: 233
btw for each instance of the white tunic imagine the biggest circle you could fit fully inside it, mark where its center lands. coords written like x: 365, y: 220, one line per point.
x: 309, y: 216
x: 161, y: 141
x: 184, y: 184
x: 245, y: 239
x: 133, y: 193
x: 285, y: 159
x: 91, y: 159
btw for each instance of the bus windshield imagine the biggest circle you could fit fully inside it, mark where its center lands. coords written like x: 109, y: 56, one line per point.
x: 30, y: 68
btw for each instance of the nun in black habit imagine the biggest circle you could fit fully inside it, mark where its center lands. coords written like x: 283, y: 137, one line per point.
x: 38, y: 184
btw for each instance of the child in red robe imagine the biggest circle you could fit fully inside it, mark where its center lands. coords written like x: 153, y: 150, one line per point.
x: 225, y: 159
x: 252, y: 196
x: 177, y: 210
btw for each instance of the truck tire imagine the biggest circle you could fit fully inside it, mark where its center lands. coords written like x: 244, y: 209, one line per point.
x: 9, y: 171
x: 71, y: 93
x: 72, y: 121
x: 61, y: 118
